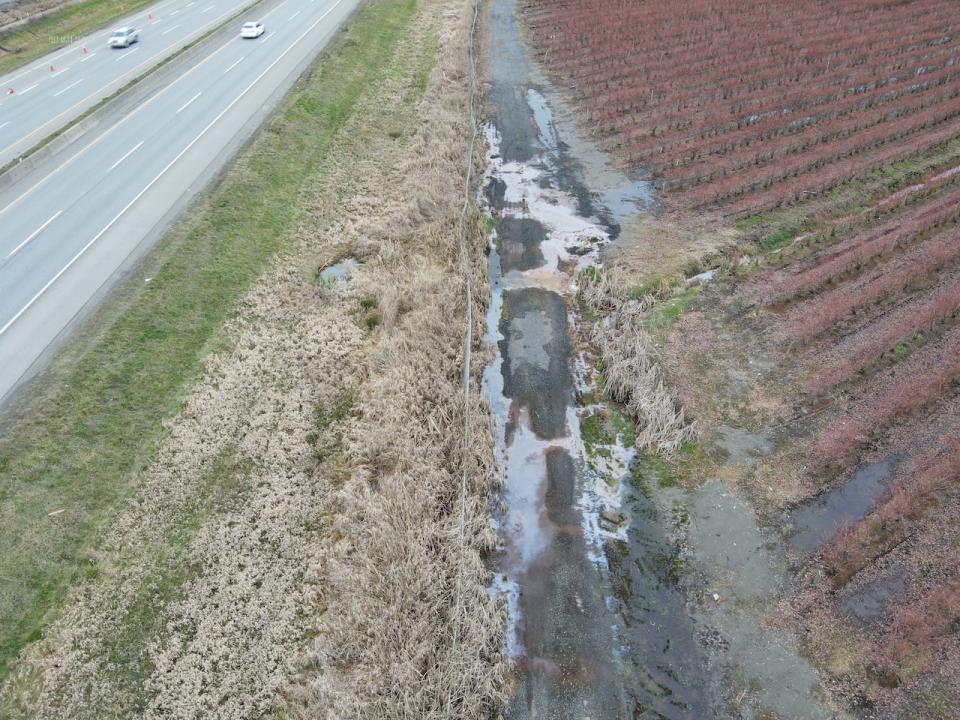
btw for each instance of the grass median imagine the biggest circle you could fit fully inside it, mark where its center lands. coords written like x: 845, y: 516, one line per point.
x: 85, y: 442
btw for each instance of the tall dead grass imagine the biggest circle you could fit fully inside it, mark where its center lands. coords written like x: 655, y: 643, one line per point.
x: 409, y: 630
x: 632, y: 370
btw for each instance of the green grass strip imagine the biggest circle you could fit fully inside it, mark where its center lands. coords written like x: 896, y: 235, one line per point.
x: 84, y: 447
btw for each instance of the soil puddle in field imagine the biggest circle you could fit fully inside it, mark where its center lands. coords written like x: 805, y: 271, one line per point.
x: 815, y: 522
x: 627, y: 597
x: 870, y: 601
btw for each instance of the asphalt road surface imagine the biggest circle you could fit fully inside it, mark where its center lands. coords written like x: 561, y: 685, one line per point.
x: 66, y: 228
x: 42, y: 97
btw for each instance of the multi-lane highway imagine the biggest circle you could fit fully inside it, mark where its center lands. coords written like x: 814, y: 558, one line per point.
x: 39, y: 99
x: 66, y: 228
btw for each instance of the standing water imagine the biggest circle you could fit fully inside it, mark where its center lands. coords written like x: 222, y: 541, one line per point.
x: 611, y: 616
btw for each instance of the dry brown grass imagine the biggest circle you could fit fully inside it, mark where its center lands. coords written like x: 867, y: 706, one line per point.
x: 410, y: 630
x: 632, y: 370
x: 295, y: 548
x: 672, y: 246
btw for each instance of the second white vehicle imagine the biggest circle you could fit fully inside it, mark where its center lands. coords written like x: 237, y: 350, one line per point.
x: 251, y: 30
x: 124, y: 37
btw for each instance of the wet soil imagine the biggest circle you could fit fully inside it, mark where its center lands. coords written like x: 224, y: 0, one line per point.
x: 628, y: 597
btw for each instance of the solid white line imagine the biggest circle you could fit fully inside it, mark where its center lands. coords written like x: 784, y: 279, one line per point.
x: 129, y: 153
x: 200, y: 29
x: 187, y: 104
x: 33, y: 235
x: 294, y: 15
x: 45, y: 62
x: 237, y: 62
x: 88, y: 56
x: 169, y: 29
x: 58, y: 72
x: 71, y: 85
x: 126, y: 54
x: 24, y: 92
x: 169, y: 165
x: 101, y: 136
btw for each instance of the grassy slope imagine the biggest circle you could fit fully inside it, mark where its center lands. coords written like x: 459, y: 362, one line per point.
x: 25, y: 44
x: 83, y: 447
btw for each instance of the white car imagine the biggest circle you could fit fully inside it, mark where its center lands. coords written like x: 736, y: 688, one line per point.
x: 124, y: 37
x: 251, y: 30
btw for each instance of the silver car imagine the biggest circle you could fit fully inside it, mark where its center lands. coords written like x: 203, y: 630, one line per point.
x: 124, y: 37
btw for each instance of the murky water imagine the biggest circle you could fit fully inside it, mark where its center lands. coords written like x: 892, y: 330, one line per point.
x: 339, y: 271
x: 628, y: 598
x: 818, y: 521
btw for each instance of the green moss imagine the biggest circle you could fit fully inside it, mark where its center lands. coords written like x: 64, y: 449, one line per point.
x: 663, y: 315
x: 593, y: 430
x: 625, y: 428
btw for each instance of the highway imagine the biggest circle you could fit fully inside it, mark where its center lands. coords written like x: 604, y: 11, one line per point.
x: 42, y: 97
x: 69, y: 226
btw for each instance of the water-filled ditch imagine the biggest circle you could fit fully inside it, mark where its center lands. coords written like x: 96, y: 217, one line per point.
x: 628, y: 597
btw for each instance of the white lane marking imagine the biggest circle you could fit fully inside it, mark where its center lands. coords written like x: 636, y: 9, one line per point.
x: 169, y: 165
x: 187, y: 104
x: 71, y: 85
x: 126, y: 54
x: 24, y: 92
x: 174, y: 13
x: 4, y: 125
x: 59, y: 72
x: 75, y: 48
x: 206, y: 9
x: 236, y: 62
x: 33, y: 235
x: 191, y: 4
x: 294, y: 15
x: 109, y: 130
x: 88, y: 56
x: 128, y: 154
x: 169, y: 30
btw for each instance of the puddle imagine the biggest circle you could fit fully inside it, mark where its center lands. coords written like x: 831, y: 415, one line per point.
x: 520, y: 240
x: 339, y: 271
x: 869, y: 602
x: 815, y: 522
